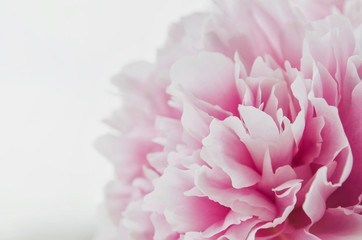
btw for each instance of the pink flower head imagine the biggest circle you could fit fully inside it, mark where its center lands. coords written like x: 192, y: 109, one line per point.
x: 248, y: 126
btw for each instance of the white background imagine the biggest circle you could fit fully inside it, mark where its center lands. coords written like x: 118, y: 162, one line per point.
x: 56, y: 60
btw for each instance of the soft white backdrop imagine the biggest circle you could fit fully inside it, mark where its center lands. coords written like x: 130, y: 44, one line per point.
x: 56, y: 59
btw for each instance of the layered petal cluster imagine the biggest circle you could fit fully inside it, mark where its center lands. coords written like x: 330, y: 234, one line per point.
x: 248, y: 126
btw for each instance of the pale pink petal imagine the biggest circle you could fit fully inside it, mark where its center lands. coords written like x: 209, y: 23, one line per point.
x: 334, y: 138
x: 315, y: 199
x: 324, y: 86
x: 319, y: 9
x: 246, y: 201
x: 209, y: 77
x: 258, y: 124
x: 240, y: 231
x: 163, y: 230
x: 137, y: 222
x: 230, y: 155
x: 231, y: 219
x: 169, y: 198
x: 336, y: 225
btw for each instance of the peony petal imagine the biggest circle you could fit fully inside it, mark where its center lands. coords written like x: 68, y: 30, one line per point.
x: 271, y: 179
x: 231, y: 219
x: 162, y: 228
x: 209, y: 77
x: 324, y: 86
x: 169, y: 198
x: 334, y: 138
x: 348, y: 194
x: 315, y: 199
x: 318, y: 9
x: 258, y: 124
x: 247, y: 201
x: 240, y: 231
x: 137, y: 222
x: 336, y: 225
x: 230, y: 154
x: 195, y: 122
x: 331, y: 44
x: 302, y: 234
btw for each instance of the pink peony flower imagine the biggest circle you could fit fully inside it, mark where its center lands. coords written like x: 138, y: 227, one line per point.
x: 248, y: 126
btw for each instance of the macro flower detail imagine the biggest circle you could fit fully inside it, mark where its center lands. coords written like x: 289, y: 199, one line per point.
x: 248, y: 126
